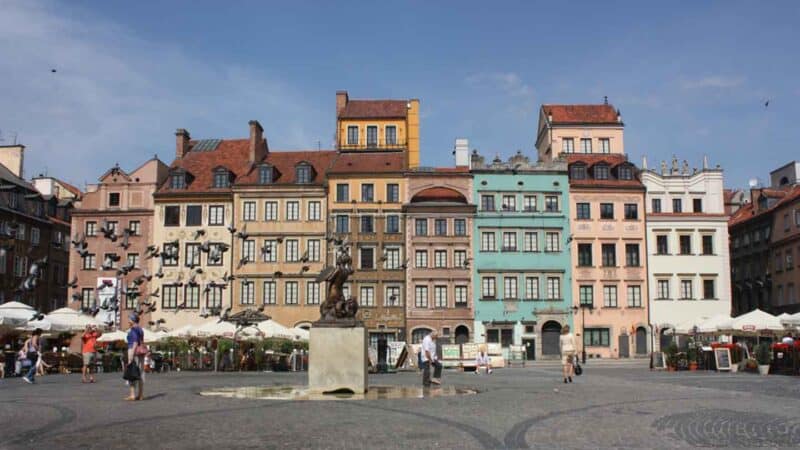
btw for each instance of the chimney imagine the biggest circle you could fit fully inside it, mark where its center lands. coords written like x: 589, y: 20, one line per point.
x: 12, y: 157
x: 619, y: 116
x: 462, y: 152
x: 181, y: 143
x: 257, y: 150
x: 341, y: 102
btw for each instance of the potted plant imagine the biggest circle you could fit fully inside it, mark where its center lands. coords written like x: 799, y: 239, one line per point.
x: 672, y: 357
x: 736, y: 358
x: 763, y: 358
x: 691, y: 355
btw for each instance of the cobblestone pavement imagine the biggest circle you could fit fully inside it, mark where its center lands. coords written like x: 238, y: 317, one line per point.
x: 610, y: 406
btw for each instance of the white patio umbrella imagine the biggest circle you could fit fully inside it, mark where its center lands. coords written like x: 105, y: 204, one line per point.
x: 68, y: 319
x: 151, y: 337
x: 43, y: 324
x: 272, y: 329
x: 215, y: 328
x: 113, y: 336
x: 15, y: 314
x: 793, y: 320
x: 182, y: 332
x: 715, y: 323
x: 301, y: 333
x: 756, y: 320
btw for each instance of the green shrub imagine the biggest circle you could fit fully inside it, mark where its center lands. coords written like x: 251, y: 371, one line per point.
x: 763, y: 354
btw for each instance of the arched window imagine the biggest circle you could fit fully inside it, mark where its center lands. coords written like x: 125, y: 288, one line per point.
x: 221, y: 178
x: 419, y: 334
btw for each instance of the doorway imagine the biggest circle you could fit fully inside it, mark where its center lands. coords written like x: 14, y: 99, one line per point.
x: 530, y: 348
x: 551, y: 331
x: 641, y: 341
x: 624, y: 346
x: 462, y: 334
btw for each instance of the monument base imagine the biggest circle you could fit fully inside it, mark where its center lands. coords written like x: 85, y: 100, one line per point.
x: 337, y: 359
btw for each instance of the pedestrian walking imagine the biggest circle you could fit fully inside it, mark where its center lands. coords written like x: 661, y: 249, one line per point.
x: 567, y: 343
x: 429, y: 358
x: 89, y: 351
x: 136, y: 353
x: 483, y: 360
x: 31, y: 349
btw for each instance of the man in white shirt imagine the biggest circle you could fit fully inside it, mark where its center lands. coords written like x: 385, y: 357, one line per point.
x: 429, y: 358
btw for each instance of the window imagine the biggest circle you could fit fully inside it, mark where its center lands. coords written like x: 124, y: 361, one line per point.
x: 631, y: 211
x: 269, y: 296
x: 367, y: 224
x: 596, y: 337
x: 372, y: 136
x: 293, y: 210
x: 708, y: 245
x: 487, y: 202
x: 271, y: 255
x: 461, y: 296
x: 91, y: 229
x: 551, y: 203
x: 110, y: 257
x: 440, y: 259
x: 529, y: 203
x: 488, y: 287
x: 532, y: 288
x: 112, y: 227
x: 509, y: 203
x: 170, y: 253
x: 606, y: 210
x: 625, y: 172
x: 487, y: 242
x: 609, y: 296
x: 605, y: 145
x: 342, y: 224
x: 292, y: 250
x: 367, y: 258
x: 113, y: 199
x: 249, y: 211
x: 249, y: 250
x: 440, y: 227
x: 87, y: 298
x: 216, y: 215
x: 177, y: 181
x: 247, y: 295
x: 392, y: 258
x: 676, y: 205
x: 352, y: 135
x: 568, y: 145
x: 510, y: 288
x: 194, y: 215
x: 686, y: 289
x: 460, y: 227
x: 342, y: 193
x: 586, y: 145
x: 584, y: 255
x: 314, y: 210
x: 367, y: 297
x: 312, y: 247
x: 632, y: 255
x: 421, y: 227
x: 551, y: 243
x: 583, y: 211
x: 553, y: 288
x: 214, y: 297
x: 609, y: 255
x: 35, y: 236
x: 421, y: 259
x: 686, y: 244
x: 663, y: 289
x: 135, y: 227
x: 601, y: 172
x: 440, y: 296
x: 789, y: 260
x: 421, y: 296
x: 367, y: 192
x: 459, y: 258
x: 656, y: 205
x: 697, y: 205
x: 708, y: 289
x: 290, y: 293
x: 191, y: 297
x: 577, y: 172
x: 265, y: 175
x: 169, y: 297
x: 172, y: 216
x: 586, y: 295
x: 270, y: 211
x: 530, y: 241
x: 509, y: 241
x: 634, y: 296
x: 392, y: 193
x: 302, y: 174
x: 662, y: 246
x: 392, y: 224
x: 221, y: 178
x: 392, y: 296
x: 390, y: 135
x: 89, y: 262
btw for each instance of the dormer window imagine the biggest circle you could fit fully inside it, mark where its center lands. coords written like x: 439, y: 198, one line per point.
x: 625, y: 173
x: 303, y: 174
x: 221, y: 178
x: 577, y: 172
x: 177, y: 180
x: 601, y: 172
x: 265, y: 174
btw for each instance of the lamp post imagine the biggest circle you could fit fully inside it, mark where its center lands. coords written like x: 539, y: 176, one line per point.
x: 583, y: 307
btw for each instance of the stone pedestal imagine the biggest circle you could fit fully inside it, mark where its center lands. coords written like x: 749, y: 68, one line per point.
x: 337, y: 359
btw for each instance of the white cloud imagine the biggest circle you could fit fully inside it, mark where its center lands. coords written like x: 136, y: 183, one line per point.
x: 116, y: 97
x: 713, y: 82
x: 510, y: 84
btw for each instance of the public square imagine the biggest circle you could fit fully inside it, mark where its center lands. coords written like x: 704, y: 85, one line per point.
x: 613, y: 404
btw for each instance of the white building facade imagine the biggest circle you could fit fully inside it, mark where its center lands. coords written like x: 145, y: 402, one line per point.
x: 687, y: 247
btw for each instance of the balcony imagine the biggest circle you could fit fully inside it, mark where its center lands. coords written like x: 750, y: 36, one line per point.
x: 374, y: 146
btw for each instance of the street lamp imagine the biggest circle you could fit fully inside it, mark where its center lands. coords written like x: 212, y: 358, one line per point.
x: 583, y: 307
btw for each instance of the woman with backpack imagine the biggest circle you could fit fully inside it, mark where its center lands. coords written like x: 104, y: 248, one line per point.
x: 136, y: 353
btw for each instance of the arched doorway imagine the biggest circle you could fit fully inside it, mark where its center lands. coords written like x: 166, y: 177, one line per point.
x: 641, y: 341
x: 419, y: 334
x: 551, y: 331
x: 462, y: 334
x: 665, y: 338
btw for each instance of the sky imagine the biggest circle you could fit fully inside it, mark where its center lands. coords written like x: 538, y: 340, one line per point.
x: 690, y: 78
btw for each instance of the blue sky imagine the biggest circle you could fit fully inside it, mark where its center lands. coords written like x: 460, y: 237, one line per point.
x: 690, y: 78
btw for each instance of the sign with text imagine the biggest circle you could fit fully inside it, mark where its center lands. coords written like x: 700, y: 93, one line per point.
x: 723, y: 358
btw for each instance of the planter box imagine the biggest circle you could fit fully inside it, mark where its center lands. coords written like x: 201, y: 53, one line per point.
x: 763, y: 369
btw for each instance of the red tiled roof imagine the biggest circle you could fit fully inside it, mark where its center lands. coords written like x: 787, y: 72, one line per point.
x: 727, y: 195
x: 590, y: 159
x: 613, y: 160
x: 374, y: 109
x: 748, y: 211
x: 366, y: 163
x: 284, y: 163
x: 438, y: 194
x: 579, y: 114
x: 233, y: 154
x: 75, y: 191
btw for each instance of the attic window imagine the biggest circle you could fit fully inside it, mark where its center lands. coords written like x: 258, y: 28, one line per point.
x: 578, y: 172
x: 303, y: 174
x: 265, y: 174
x: 625, y: 173
x: 177, y: 180
x: 221, y: 178
x: 601, y: 172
